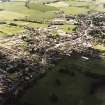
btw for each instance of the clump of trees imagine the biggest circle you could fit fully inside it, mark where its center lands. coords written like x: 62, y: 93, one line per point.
x: 13, y: 24
x: 27, y: 3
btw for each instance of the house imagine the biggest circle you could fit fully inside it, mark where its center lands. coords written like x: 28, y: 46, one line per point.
x: 58, y: 21
x: 69, y: 17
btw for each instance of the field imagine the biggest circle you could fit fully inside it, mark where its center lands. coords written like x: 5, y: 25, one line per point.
x: 71, y: 87
x: 37, y: 11
x: 10, y: 30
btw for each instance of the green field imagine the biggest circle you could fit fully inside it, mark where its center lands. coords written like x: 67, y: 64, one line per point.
x: 17, y: 10
x: 11, y: 11
x: 10, y: 30
x: 39, y: 12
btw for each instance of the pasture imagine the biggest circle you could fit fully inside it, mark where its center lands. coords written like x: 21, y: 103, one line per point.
x: 11, y: 11
x: 43, y: 13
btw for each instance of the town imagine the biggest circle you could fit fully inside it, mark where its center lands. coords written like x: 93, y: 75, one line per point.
x: 66, y: 43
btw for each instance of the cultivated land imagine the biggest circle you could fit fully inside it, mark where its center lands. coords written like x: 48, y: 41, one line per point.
x: 60, y: 43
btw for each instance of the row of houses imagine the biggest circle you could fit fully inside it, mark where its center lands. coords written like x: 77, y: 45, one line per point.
x: 62, y: 19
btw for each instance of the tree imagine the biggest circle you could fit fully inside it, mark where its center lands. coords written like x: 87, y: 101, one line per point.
x: 103, y: 5
x: 27, y: 3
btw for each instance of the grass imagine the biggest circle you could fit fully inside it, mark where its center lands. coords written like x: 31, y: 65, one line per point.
x: 9, y: 15
x: 35, y: 13
x: 41, y: 7
x: 10, y: 30
x: 78, y: 3
x: 67, y: 28
x: 36, y: 25
x: 75, y: 10
x: 29, y: 24
x: 100, y: 47
x: 74, y: 89
x: 7, y: 29
x: 41, y: 13
x: 60, y: 4
x: 42, y: 1
x: 17, y: 10
x: 68, y: 93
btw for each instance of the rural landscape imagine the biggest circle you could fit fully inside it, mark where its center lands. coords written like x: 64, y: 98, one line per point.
x: 52, y: 52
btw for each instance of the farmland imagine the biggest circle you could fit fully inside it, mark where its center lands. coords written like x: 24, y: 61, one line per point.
x: 10, y: 11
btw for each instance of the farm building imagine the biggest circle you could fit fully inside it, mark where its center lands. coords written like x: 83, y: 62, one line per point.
x: 58, y: 21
